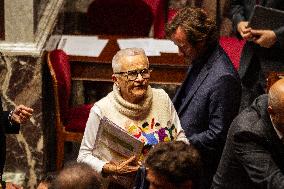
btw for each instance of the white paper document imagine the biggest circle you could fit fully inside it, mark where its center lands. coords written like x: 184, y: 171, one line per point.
x: 152, y: 47
x: 165, y: 46
x: 82, y: 45
x: 114, y: 144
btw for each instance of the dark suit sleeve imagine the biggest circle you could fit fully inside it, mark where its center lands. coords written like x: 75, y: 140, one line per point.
x: 5, y: 128
x: 257, y: 161
x: 223, y: 107
x: 280, y: 36
x: 237, y: 14
x: 9, y: 128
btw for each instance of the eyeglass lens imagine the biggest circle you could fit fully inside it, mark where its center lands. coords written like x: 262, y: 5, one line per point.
x: 132, y: 75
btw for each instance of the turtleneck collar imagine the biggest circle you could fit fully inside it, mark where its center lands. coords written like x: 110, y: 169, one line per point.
x: 133, y: 111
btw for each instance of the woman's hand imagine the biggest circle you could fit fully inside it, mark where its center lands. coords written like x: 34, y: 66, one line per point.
x: 121, y: 169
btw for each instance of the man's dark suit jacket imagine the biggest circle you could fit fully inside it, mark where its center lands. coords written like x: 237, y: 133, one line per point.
x: 253, y: 155
x: 5, y: 128
x: 210, y: 105
x: 257, y: 61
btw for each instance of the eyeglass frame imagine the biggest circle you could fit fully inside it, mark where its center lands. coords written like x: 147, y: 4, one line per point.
x: 137, y: 72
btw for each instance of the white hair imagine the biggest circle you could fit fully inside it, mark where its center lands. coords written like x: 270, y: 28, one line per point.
x: 121, y: 54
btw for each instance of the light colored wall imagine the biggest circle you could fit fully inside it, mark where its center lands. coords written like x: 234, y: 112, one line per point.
x: 19, y: 20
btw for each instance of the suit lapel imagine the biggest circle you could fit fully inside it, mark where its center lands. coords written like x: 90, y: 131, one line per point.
x: 177, y: 95
x: 199, y: 80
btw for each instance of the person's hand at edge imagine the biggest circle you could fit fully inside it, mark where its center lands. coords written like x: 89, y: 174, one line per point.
x: 244, y: 30
x: 12, y: 186
x: 264, y: 38
x: 21, y: 114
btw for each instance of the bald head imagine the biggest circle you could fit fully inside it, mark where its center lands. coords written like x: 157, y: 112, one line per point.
x: 276, y: 95
x: 276, y: 105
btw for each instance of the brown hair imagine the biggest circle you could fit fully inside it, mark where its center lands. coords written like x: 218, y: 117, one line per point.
x: 196, y: 24
x: 176, y: 161
x: 76, y: 176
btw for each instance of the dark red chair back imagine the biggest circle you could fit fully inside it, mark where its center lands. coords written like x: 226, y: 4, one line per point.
x: 119, y: 17
x: 70, y: 122
x: 60, y: 65
x: 159, y: 10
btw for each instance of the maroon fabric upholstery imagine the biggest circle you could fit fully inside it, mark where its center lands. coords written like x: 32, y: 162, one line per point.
x: 119, y: 17
x: 77, y: 118
x: 73, y: 118
x: 158, y: 8
x: 233, y: 47
x: 61, y: 66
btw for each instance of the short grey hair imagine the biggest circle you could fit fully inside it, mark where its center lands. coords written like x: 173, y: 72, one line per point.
x: 116, y: 64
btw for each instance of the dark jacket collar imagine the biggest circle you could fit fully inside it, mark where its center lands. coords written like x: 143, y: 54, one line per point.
x: 260, y: 105
x: 207, y: 61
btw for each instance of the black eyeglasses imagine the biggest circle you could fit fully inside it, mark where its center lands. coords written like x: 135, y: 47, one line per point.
x: 133, y: 74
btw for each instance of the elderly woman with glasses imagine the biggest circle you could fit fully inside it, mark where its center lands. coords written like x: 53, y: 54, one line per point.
x: 135, y: 107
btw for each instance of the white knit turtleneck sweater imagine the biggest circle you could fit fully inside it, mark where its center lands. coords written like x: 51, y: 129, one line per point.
x: 151, y: 121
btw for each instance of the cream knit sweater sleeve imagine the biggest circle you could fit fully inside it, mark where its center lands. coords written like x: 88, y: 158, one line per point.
x: 88, y: 142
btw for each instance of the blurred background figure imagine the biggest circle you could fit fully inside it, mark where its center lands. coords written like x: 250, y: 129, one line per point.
x: 263, y: 51
x: 46, y: 182
x: 76, y: 176
x: 173, y: 165
x: 10, y: 124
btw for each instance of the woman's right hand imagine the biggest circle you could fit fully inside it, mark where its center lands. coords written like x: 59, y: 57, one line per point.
x: 121, y: 169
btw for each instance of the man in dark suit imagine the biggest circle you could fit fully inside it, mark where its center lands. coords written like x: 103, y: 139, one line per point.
x: 10, y: 123
x: 254, y: 152
x: 263, y: 52
x: 208, y: 100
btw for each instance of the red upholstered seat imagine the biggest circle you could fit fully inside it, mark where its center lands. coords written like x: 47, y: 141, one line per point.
x: 119, y: 17
x: 161, y: 16
x: 60, y: 65
x: 77, y: 118
x: 171, y: 14
x: 70, y: 121
x: 158, y: 8
x: 233, y: 47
